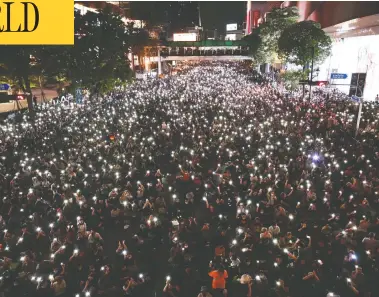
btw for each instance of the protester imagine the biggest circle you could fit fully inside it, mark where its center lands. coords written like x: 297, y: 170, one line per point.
x: 210, y: 177
x: 204, y: 292
x: 219, y: 280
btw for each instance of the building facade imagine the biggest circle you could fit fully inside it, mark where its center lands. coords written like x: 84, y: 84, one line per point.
x: 353, y: 66
x: 118, y: 7
x: 256, y: 12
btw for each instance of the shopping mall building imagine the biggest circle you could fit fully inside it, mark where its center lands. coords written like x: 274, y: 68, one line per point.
x: 354, y: 29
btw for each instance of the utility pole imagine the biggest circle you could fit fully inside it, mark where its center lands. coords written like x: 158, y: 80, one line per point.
x: 359, y: 117
x: 199, y: 14
x: 310, y: 81
x: 360, y: 102
x: 159, y: 62
x: 356, y: 87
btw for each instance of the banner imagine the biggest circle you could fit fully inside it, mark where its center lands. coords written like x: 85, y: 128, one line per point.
x: 185, y: 36
x: 37, y: 22
x: 256, y: 16
x: 231, y: 27
x: 79, y: 96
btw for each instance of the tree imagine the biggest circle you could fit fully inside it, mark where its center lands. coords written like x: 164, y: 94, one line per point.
x: 46, y: 67
x: 254, y: 41
x: 16, y: 63
x: 138, y: 40
x: 291, y: 78
x: 98, y: 60
x: 270, y: 31
x: 298, y: 41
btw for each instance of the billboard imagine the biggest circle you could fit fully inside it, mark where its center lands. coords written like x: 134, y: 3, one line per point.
x: 185, y: 37
x: 357, y: 84
x: 256, y: 16
x: 231, y: 27
x: 231, y: 37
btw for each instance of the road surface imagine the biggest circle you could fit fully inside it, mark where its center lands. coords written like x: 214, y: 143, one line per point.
x: 7, y: 107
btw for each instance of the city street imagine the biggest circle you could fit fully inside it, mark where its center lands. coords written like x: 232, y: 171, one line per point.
x: 216, y: 149
x: 202, y: 149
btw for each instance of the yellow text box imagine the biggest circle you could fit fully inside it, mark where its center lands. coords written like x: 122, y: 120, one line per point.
x: 37, y: 22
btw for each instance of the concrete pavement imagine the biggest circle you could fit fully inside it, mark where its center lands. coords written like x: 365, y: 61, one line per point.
x: 12, y: 106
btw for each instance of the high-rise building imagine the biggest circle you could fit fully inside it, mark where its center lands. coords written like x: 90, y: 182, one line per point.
x: 354, y: 29
x: 124, y: 7
x: 119, y: 7
x: 256, y: 11
x: 94, y: 6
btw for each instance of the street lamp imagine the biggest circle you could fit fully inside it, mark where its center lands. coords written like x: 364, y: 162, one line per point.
x: 310, y: 81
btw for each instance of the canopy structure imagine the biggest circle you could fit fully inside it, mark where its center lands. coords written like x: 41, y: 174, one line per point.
x: 206, y: 43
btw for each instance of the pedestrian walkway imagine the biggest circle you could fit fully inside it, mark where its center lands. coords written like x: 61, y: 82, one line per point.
x: 12, y: 106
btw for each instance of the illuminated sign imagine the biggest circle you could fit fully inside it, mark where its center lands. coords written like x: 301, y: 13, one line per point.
x: 231, y: 27
x: 185, y: 37
x: 231, y: 37
x: 84, y: 9
x: 136, y: 23
x: 256, y: 16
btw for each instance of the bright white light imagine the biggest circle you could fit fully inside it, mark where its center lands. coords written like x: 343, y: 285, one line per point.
x: 185, y: 37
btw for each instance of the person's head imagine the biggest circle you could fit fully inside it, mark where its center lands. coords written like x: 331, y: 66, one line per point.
x: 358, y: 270
x: 204, y: 289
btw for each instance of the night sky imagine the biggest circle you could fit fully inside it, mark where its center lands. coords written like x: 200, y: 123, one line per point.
x: 181, y: 14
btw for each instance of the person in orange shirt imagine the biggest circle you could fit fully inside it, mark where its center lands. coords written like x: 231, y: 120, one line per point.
x: 219, y: 279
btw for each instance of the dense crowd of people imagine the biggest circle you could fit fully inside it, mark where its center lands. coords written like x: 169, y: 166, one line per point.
x: 206, y: 183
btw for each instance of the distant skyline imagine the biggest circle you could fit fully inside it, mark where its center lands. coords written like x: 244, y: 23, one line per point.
x: 181, y: 14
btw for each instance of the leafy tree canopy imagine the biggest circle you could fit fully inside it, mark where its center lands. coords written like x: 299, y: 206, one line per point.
x: 254, y: 41
x: 16, y: 63
x: 297, y: 42
x: 270, y: 31
x: 98, y: 61
x: 291, y: 78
